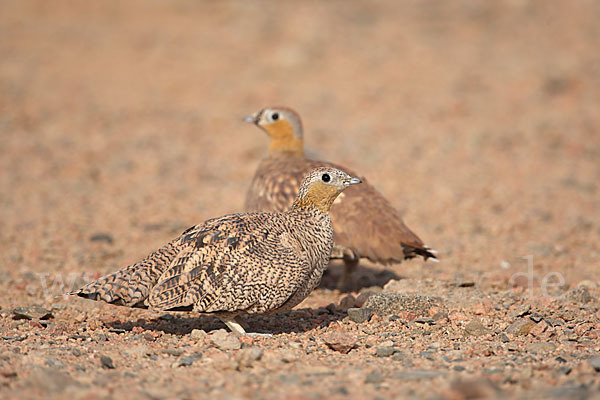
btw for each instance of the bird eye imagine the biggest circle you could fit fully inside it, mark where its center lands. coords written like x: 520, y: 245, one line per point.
x: 275, y: 116
x: 326, y: 178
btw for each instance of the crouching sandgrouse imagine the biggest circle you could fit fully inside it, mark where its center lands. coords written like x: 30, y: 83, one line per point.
x: 365, y: 223
x: 238, y: 264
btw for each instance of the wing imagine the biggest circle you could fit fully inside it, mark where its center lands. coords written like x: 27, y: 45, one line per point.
x: 241, y: 262
x: 363, y: 220
x: 275, y: 184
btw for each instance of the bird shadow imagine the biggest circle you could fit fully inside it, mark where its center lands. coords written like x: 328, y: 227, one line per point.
x: 295, y: 321
x: 361, y: 277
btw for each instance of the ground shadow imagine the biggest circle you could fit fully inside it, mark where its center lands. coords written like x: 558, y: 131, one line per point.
x: 362, y: 277
x: 178, y: 323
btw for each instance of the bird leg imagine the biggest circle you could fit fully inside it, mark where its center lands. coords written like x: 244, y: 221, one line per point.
x: 351, y: 260
x: 238, y: 326
x: 234, y: 324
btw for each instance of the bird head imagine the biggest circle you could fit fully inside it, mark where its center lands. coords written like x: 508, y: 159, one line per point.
x: 321, y: 186
x: 284, y: 128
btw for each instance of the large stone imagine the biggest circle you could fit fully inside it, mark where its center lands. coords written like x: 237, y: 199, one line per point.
x: 340, y: 341
x: 360, y: 315
x: 520, y: 327
x: 33, y: 311
x: 475, y: 328
x: 225, y: 341
x: 398, y: 304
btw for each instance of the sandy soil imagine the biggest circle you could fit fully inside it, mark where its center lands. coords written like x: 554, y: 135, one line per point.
x: 120, y: 126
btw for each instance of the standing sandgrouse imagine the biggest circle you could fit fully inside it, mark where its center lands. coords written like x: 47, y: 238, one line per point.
x: 254, y: 263
x: 365, y: 223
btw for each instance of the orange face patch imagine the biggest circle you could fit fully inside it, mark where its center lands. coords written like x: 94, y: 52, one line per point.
x: 320, y: 195
x: 283, y: 137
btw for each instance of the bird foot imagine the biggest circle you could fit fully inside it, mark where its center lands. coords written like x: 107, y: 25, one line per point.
x: 259, y: 335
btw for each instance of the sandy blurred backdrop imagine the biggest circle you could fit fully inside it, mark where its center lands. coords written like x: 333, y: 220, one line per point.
x: 479, y: 120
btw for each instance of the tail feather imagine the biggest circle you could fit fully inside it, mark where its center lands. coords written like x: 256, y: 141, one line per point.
x: 131, y: 286
x: 425, y: 252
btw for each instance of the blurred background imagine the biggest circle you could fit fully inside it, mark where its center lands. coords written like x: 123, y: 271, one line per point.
x: 121, y: 124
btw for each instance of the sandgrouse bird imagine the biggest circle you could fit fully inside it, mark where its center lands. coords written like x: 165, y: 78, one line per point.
x: 365, y: 223
x: 255, y: 263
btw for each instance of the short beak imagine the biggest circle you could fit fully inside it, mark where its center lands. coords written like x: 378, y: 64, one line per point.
x: 353, y: 181
x: 253, y: 119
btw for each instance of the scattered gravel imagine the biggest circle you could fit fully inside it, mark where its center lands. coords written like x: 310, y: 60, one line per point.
x: 117, y: 132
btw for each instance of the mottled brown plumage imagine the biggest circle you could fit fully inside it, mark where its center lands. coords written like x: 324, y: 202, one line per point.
x: 252, y: 263
x: 365, y: 223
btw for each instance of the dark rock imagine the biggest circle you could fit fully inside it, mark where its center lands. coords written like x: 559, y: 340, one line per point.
x: 396, y: 304
x: 148, y: 337
x: 554, y: 322
x: 560, y: 359
x: 463, y: 283
x: 424, y: 320
x: 117, y: 330
x: 535, y: 317
x: 102, y: 237
x: 504, y: 338
x: 186, y: 361
x: 107, y: 362
x: 564, y: 370
x: 360, y: 315
x: 34, y: 311
x: 458, y: 368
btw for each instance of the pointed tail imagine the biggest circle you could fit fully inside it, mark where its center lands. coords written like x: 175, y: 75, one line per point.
x: 131, y: 286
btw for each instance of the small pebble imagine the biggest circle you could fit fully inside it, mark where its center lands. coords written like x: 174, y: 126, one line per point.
x: 102, y: 237
x: 107, y: 362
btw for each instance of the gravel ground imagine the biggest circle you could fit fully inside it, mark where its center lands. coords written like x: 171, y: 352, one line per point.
x: 120, y: 126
